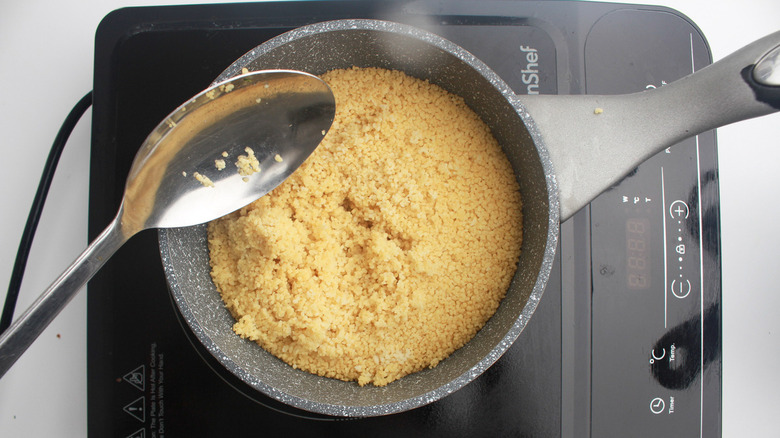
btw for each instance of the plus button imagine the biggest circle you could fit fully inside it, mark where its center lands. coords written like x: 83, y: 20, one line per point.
x: 679, y: 210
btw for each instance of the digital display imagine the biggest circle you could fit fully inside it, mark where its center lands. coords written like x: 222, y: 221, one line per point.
x: 638, y: 253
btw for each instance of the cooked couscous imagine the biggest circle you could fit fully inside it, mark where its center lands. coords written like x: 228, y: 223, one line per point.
x: 206, y: 181
x: 388, y: 249
x: 247, y: 164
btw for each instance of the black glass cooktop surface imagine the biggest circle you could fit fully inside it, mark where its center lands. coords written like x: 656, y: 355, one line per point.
x: 626, y: 339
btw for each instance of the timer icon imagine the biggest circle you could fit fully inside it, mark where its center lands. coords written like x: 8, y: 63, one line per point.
x: 657, y: 405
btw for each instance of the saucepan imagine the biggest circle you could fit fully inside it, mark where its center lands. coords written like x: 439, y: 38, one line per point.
x: 564, y: 150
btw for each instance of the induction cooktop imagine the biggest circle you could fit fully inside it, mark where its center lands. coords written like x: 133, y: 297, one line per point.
x: 626, y: 338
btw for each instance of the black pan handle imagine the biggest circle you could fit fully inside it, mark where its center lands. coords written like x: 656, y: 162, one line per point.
x: 763, y: 78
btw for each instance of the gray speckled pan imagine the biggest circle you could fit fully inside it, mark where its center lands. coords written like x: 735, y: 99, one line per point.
x: 342, y: 44
x: 586, y: 139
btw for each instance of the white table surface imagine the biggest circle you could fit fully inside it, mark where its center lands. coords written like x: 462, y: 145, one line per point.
x: 46, y: 63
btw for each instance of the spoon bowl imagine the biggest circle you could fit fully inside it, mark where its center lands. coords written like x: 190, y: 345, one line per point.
x: 189, y: 171
x: 219, y: 151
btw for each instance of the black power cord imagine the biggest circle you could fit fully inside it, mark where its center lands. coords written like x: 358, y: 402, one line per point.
x: 37, y: 208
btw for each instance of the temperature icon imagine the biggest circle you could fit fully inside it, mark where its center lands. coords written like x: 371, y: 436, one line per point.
x: 654, y: 356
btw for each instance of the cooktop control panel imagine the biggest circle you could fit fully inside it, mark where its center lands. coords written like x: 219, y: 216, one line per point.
x: 655, y: 319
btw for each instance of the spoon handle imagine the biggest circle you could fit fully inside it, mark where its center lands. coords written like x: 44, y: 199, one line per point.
x: 26, y: 329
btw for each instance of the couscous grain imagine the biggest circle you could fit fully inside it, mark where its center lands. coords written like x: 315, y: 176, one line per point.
x: 388, y: 249
x: 203, y: 179
x: 247, y: 164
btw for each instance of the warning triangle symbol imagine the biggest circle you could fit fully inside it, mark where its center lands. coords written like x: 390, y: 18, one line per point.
x: 140, y: 433
x: 137, y: 409
x: 137, y: 377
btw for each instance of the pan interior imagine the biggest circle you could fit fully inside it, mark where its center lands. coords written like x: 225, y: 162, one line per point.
x: 320, y: 48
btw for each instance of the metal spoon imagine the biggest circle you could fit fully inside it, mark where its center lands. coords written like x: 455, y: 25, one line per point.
x: 198, y: 165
